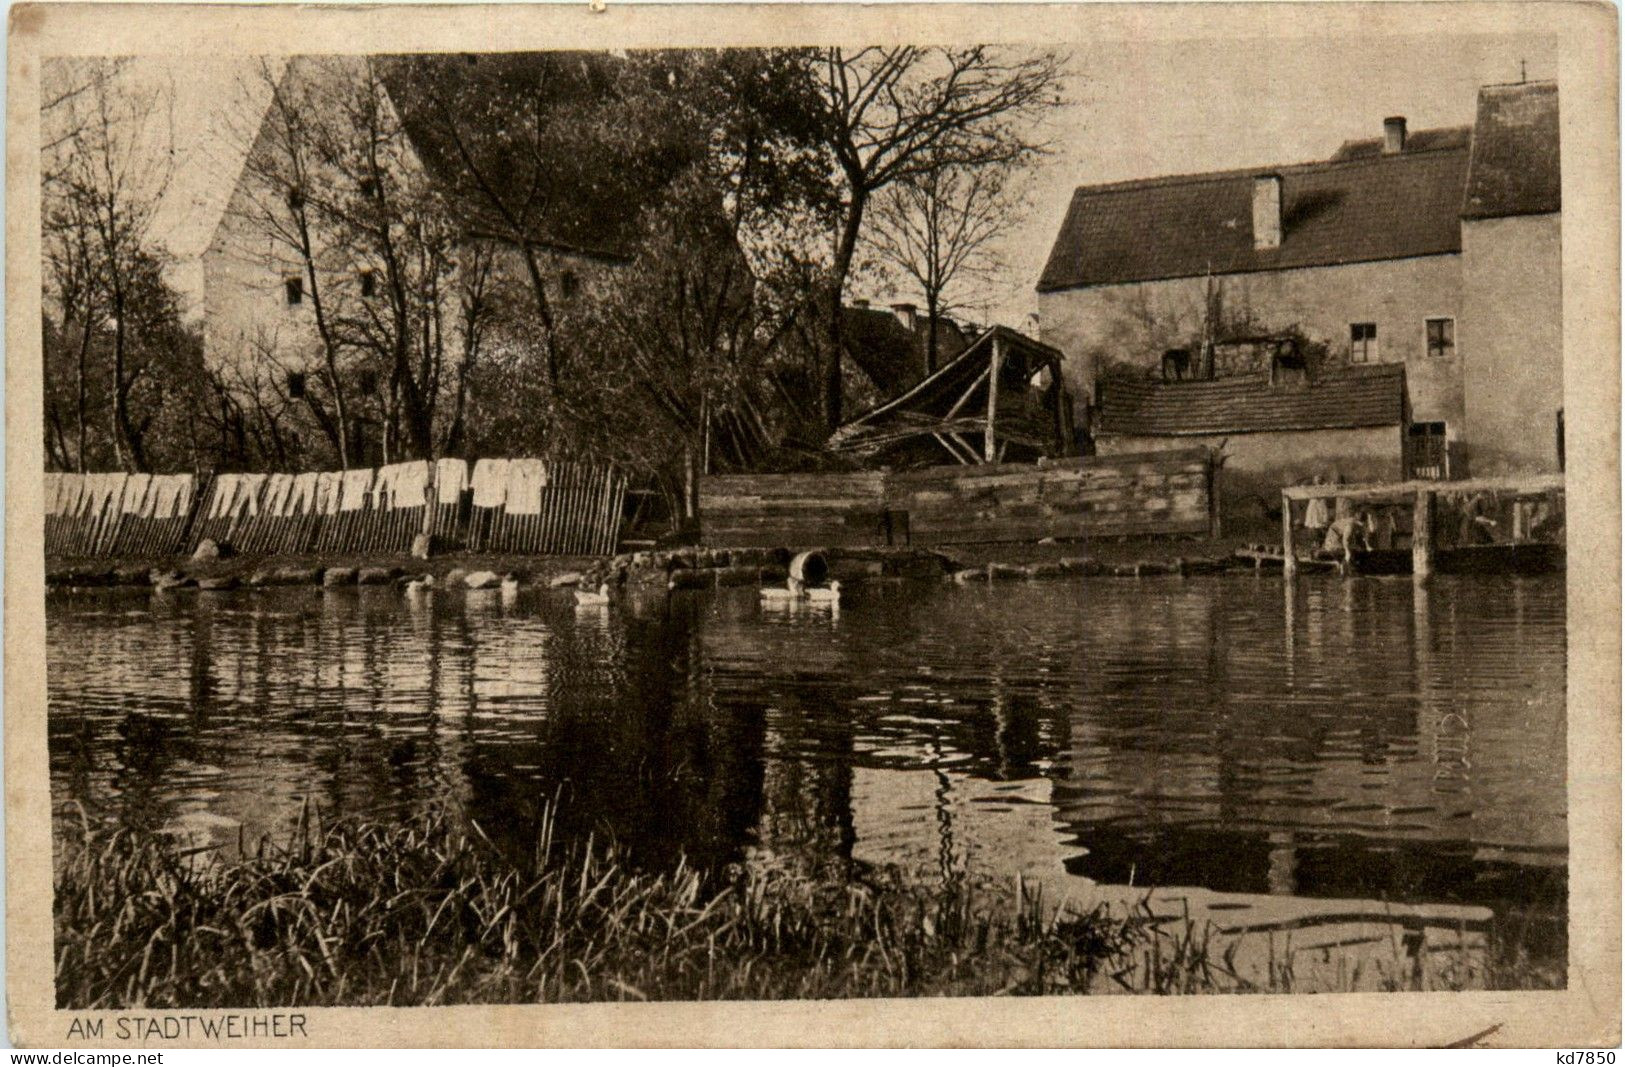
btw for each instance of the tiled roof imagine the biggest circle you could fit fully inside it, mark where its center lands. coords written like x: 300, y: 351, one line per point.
x: 1515, y: 167
x: 1415, y: 141
x: 1382, y: 207
x: 1337, y: 398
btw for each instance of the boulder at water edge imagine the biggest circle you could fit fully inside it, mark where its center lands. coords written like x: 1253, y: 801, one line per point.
x: 339, y: 576
x: 207, y: 549
x: 483, y: 580
x: 376, y: 575
x: 562, y: 581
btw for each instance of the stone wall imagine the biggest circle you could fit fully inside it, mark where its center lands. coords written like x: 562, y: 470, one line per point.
x: 1256, y: 465
x: 1512, y: 335
x: 1136, y: 323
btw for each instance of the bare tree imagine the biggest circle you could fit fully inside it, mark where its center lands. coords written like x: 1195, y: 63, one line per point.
x: 897, y: 113
x: 937, y: 228
x: 397, y: 290
x: 103, y: 174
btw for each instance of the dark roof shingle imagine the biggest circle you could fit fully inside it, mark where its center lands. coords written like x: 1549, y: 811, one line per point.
x: 1516, y: 166
x: 1337, y: 398
x: 1382, y: 207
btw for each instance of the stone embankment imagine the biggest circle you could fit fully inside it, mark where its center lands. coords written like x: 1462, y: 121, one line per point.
x: 673, y: 569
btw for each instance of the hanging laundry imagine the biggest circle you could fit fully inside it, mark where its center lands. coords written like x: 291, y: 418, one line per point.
x: 526, y: 478
x: 490, y: 483
x: 354, y: 489
x: 411, y: 484
x: 278, y: 490
x: 136, y: 487
x: 248, y: 493
x: 450, y: 479
x: 328, y: 484
x: 302, y: 497
x: 383, y: 486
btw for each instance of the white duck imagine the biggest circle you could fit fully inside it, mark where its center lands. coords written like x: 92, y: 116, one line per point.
x: 792, y: 590
x: 829, y: 594
x: 593, y: 600
x: 510, y: 585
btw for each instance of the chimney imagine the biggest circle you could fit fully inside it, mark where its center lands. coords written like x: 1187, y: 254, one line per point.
x: 1267, y: 211
x: 1393, y: 135
x: 905, y: 315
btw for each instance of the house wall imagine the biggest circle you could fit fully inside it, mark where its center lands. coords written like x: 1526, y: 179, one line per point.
x: 1257, y: 465
x: 1512, y: 334
x: 1135, y: 323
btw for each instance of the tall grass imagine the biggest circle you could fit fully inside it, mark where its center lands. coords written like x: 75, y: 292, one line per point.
x: 429, y: 911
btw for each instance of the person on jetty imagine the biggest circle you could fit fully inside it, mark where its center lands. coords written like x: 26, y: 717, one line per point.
x: 1316, y: 516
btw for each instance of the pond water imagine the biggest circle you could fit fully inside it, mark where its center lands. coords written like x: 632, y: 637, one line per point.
x: 1249, y: 740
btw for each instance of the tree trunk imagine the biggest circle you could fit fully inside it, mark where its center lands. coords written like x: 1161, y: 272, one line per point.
x: 844, y: 251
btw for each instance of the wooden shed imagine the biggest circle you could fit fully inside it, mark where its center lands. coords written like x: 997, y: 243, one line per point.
x: 999, y: 401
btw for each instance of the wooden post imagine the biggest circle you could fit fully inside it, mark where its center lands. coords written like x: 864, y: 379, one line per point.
x: 989, y: 453
x: 1289, y: 558
x: 1422, y: 535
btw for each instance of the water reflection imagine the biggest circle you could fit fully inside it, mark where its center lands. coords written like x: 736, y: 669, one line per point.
x: 1326, y: 739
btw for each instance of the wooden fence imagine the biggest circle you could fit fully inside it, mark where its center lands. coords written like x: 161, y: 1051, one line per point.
x: 536, y: 506
x: 546, y: 508
x: 1153, y: 493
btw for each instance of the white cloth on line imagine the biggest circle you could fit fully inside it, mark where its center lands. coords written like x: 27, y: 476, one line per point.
x: 278, y: 488
x: 107, y: 494
x: 224, y: 497
x: 252, y: 486
x: 450, y: 479
x: 526, y: 478
x: 136, y: 488
x: 328, y: 484
x: 161, y: 496
x: 490, y: 483
x: 411, y: 484
x: 355, y: 487
x: 302, y: 495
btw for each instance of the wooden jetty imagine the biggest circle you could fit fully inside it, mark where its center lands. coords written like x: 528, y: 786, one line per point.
x: 1426, y: 555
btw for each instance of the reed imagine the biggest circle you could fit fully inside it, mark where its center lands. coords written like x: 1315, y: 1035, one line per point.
x: 429, y: 911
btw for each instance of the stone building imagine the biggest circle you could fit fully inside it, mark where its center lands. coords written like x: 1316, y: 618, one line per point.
x: 1435, y: 249
x: 277, y: 249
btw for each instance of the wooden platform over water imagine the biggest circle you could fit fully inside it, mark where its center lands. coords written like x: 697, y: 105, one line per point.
x: 1518, y: 554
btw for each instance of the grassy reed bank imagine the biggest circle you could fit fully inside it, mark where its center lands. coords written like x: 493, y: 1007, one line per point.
x: 430, y: 912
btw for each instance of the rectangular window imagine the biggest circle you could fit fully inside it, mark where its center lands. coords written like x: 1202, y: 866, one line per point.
x: 294, y: 288
x: 369, y: 283
x: 1430, y: 453
x: 569, y: 284
x: 1441, y: 338
x: 296, y: 385
x: 1362, y: 342
x: 369, y: 187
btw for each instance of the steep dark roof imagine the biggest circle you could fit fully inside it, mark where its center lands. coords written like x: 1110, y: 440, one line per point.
x: 882, y: 347
x: 1415, y: 141
x: 1382, y: 207
x: 1338, y: 397
x: 1515, y: 166
x: 888, y: 353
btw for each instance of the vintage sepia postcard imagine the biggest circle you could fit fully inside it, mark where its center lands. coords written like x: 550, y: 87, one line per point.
x: 813, y: 525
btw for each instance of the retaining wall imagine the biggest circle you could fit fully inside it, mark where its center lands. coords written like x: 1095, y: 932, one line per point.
x: 1151, y: 493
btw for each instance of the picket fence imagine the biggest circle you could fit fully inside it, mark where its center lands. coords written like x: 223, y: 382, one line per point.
x: 529, y: 506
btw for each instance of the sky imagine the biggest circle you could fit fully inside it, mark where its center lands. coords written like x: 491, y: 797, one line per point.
x: 1133, y: 110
